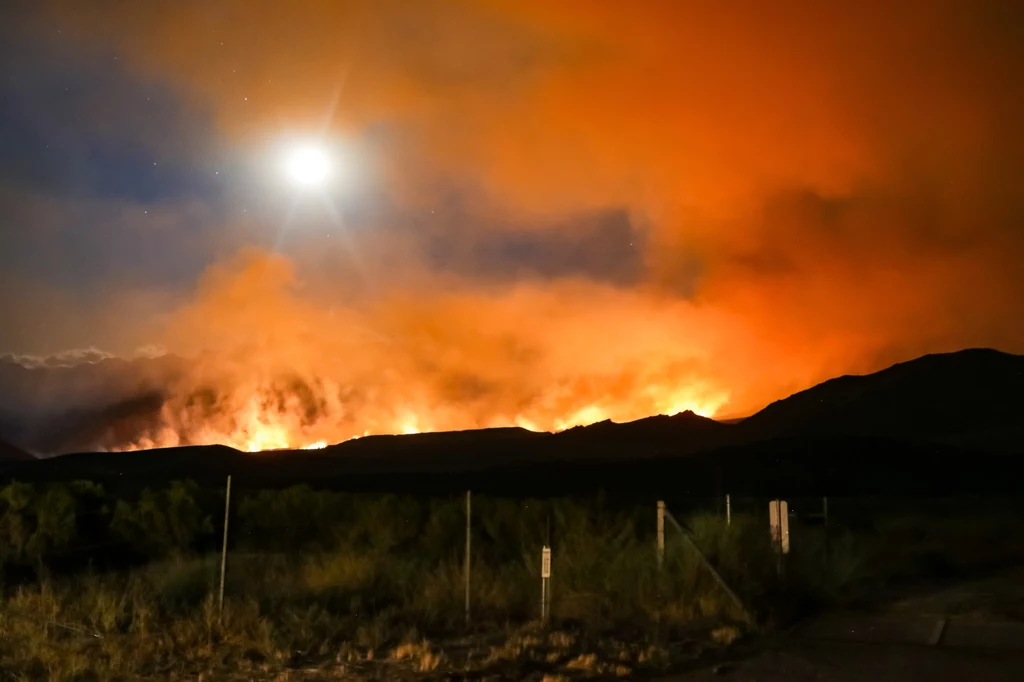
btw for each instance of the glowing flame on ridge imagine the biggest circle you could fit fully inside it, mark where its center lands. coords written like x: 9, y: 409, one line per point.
x: 269, y: 421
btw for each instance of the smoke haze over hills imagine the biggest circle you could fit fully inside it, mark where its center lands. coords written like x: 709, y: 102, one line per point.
x: 544, y: 215
x: 969, y: 399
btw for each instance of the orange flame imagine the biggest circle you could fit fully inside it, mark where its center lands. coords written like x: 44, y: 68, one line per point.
x: 259, y: 426
x: 284, y: 372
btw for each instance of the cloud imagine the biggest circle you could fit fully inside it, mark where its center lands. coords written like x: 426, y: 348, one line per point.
x: 65, y: 358
x: 150, y: 351
x: 601, y: 246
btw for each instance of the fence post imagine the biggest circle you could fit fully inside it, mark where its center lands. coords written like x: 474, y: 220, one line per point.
x: 469, y: 516
x: 824, y: 516
x: 661, y: 533
x: 224, y: 552
x: 778, y: 520
x: 545, y: 583
x: 728, y: 510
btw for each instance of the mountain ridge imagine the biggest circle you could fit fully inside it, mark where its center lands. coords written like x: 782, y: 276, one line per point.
x: 954, y: 405
x: 12, y: 453
x: 940, y: 397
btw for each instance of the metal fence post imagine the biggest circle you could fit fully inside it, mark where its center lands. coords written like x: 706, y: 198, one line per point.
x: 661, y: 533
x: 469, y: 516
x: 824, y: 516
x: 224, y: 552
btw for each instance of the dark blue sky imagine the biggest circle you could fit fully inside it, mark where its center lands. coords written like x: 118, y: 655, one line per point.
x: 104, y: 176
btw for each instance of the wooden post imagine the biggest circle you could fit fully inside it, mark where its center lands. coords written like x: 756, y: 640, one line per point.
x: 469, y: 516
x: 224, y: 552
x: 778, y: 519
x: 661, y: 533
x: 728, y: 510
x: 545, y: 583
x: 545, y: 573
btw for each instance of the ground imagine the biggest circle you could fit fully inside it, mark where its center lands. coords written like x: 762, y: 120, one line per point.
x: 804, y: 660
x: 965, y: 630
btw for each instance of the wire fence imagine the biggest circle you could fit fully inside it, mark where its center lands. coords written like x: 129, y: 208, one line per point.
x: 471, y: 560
x: 497, y: 557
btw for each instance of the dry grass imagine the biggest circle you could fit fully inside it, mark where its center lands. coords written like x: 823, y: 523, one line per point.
x: 162, y: 619
x: 368, y: 604
x: 344, y: 606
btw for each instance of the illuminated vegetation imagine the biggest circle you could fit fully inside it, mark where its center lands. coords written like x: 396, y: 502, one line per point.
x: 111, y: 588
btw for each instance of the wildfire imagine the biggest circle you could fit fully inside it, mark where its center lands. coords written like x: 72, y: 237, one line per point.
x: 279, y: 368
x: 264, y: 421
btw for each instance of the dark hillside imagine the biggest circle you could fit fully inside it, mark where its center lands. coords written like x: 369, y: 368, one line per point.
x: 969, y: 398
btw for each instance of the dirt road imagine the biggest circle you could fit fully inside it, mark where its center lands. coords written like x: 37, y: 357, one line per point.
x: 834, y: 661
x: 878, y: 648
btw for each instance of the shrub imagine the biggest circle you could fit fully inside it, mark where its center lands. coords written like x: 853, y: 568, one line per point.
x: 36, y: 523
x: 161, y: 523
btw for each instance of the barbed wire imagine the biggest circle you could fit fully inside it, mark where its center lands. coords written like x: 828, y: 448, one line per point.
x: 46, y: 621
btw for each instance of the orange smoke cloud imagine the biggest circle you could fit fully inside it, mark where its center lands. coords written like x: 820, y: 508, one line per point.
x: 841, y: 180
x: 281, y: 369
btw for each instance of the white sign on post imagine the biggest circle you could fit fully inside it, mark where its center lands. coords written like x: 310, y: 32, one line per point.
x: 778, y: 520
x: 545, y: 577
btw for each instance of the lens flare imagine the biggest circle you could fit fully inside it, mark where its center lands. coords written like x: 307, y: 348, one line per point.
x: 308, y: 166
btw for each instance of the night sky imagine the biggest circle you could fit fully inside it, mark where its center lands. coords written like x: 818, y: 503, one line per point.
x: 539, y: 208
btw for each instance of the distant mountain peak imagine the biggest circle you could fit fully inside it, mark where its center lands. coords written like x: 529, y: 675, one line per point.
x: 957, y: 397
x: 9, y: 453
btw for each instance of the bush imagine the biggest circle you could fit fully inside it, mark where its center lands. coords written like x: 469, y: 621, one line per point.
x: 162, y: 523
x: 322, y: 566
x: 35, y: 524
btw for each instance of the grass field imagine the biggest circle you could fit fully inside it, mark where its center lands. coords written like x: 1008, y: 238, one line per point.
x: 320, y: 581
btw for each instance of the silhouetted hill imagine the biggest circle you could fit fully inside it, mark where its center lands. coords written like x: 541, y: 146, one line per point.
x: 440, y: 451
x: 656, y: 436
x: 935, y: 425
x: 489, y: 448
x: 206, y: 464
x: 9, y: 453
x: 971, y: 398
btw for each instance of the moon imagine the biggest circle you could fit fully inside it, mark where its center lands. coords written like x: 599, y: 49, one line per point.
x: 308, y: 166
